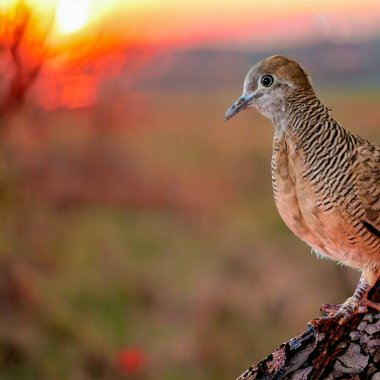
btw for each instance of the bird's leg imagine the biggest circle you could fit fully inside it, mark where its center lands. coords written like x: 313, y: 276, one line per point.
x: 371, y: 279
x: 353, y: 304
x: 358, y: 303
x: 350, y: 305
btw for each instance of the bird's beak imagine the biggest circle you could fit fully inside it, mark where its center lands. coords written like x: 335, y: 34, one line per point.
x: 239, y: 105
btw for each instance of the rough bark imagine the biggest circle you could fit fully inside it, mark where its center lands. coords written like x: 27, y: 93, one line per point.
x: 329, y: 351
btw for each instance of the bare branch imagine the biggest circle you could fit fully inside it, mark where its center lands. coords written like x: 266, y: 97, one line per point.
x: 25, y: 72
x: 333, y: 351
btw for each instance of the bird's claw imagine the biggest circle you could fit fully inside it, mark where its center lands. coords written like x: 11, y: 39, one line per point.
x: 343, y: 313
x: 366, y: 303
x: 329, y: 309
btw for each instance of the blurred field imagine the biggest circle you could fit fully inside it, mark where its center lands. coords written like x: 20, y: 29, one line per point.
x: 148, y: 224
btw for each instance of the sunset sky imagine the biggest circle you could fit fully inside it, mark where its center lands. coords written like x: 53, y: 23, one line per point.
x: 259, y: 22
x: 183, y: 23
x: 97, y: 33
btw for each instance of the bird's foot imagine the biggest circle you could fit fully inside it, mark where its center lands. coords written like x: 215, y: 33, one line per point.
x: 328, y: 308
x: 337, y: 313
x: 343, y: 313
x: 357, y: 304
x: 349, y: 308
x: 368, y: 303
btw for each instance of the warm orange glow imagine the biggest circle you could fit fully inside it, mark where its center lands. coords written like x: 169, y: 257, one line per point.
x: 67, y: 45
x: 72, y: 15
x: 179, y: 22
x: 68, y: 38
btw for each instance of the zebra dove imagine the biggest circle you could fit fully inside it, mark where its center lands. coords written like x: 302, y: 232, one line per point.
x: 326, y: 180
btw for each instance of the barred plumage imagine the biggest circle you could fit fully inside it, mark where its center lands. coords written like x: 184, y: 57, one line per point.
x: 326, y: 180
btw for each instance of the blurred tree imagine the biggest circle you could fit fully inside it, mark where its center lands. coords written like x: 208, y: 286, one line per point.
x: 23, y: 50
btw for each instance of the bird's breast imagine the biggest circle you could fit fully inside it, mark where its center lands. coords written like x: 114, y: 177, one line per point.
x: 295, y: 199
x: 329, y: 230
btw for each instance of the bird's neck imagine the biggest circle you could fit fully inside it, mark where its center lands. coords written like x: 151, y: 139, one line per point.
x: 299, y: 111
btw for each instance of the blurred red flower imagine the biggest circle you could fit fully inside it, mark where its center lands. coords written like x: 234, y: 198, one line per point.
x: 131, y: 360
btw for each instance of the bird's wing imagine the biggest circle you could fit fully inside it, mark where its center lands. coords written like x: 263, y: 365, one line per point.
x: 368, y: 185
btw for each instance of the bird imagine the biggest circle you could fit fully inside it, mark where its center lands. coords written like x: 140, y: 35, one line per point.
x: 325, y: 179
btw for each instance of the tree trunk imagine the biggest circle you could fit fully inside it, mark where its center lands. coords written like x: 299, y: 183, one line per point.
x: 329, y: 351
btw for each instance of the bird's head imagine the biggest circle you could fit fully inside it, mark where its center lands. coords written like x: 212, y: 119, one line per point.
x: 268, y: 84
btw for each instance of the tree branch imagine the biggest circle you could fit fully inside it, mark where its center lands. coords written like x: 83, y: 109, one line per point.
x: 331, y: 351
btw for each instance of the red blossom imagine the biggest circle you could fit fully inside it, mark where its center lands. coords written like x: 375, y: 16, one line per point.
x: 131, y: 360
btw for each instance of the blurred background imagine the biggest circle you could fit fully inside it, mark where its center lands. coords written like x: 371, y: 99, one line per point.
x: 138, y: 234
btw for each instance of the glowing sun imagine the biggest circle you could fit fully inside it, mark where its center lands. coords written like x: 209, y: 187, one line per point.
x: 72, y: 15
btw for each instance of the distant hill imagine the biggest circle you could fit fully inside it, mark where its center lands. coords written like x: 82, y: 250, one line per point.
x: 330, y: 64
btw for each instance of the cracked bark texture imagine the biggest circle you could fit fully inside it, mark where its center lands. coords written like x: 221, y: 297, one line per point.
x: 329, y: 351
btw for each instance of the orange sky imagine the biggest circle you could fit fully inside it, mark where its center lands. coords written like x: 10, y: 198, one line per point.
x: 95, y: 33
x: 194, y: 22
x: 258, y: 22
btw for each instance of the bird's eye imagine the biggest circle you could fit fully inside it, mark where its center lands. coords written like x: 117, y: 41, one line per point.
x: 267, y: 80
